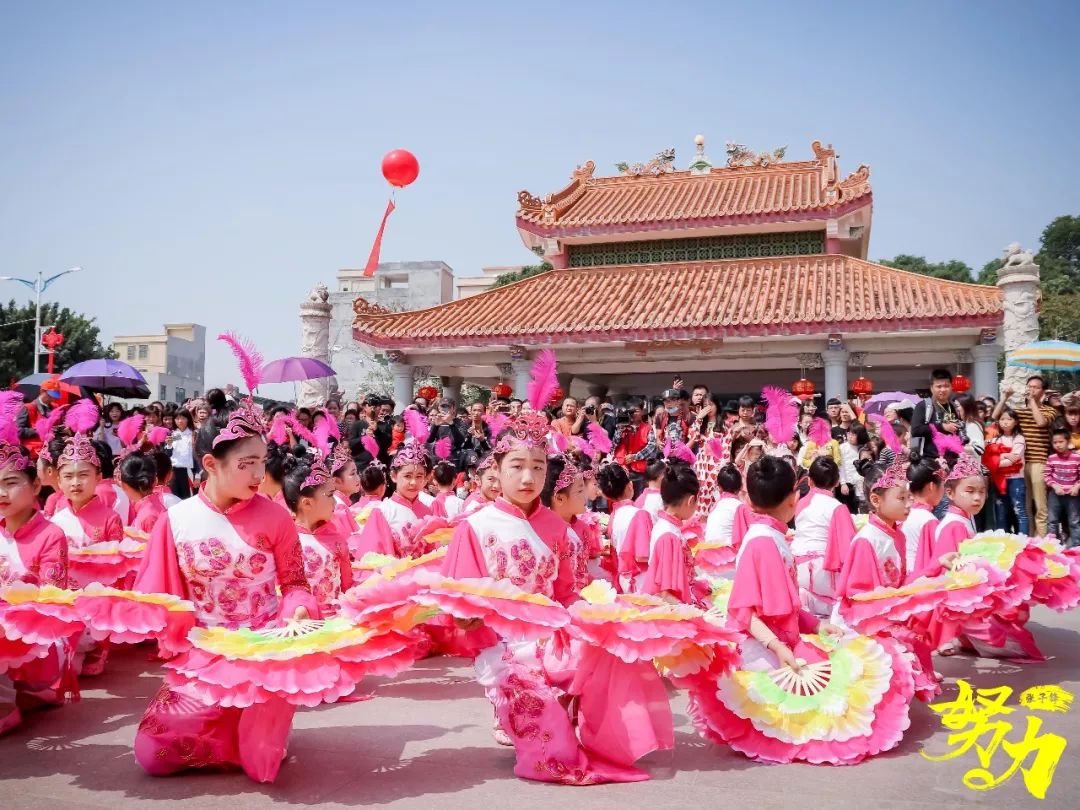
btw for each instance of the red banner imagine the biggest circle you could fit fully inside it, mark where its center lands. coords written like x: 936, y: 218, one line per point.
x: 373, y: 259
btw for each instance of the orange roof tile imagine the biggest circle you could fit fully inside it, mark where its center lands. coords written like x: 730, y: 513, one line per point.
x: 740, y: 297
x: 797, y: 190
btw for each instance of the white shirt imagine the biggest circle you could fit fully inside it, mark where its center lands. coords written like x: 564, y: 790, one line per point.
x: 182, y: 450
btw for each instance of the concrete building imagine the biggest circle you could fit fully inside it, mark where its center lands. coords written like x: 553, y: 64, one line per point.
x: 468, y: 286
x: 396, y: 286
x: 173, y: 362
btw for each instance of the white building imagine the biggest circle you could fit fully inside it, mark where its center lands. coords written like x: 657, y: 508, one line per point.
x: 173, y: 363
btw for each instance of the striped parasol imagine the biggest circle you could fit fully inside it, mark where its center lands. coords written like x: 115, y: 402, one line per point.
x: 1047, y: 355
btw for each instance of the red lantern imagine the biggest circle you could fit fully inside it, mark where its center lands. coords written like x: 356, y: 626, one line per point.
x: 961, y: 384
x: 502, y: 391
x: 400, y: 167
x: 557, y: 398
x: 429, y: 392
x: 803, y: 389
x: 862, y: 387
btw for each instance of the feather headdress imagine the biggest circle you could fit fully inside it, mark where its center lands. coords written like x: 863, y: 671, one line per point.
x: 888, y: 435
x: 599, y: 438
x: 586, y: 448
x: 247, y: 357
x: 83, y: 416
x: 946, y: 443
x: 158, y: 435
x: 496, y: 424
x: 820, y: 432
x: 442, y: 448
x: 322, y: 437
x: 544, y: 382
x: 781, y: 414
x: 299, y: 431
x: 46, y: 425
x: 716, y: 447
x: 416, y: 424
x: 561, y: 443
x: 10, y: 403
x: 370, y: 445
x: 679, y: 451
x: 335, y: 431
x: 279, y: 433
x: 129, y: 429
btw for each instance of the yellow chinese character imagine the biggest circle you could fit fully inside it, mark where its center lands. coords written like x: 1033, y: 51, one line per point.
x: 971, y: 715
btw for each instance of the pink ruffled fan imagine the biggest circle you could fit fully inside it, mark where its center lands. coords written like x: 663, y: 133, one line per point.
x: 304, y: 663
x: 511, y: 612
x: 38, y: 614
x: 15, y: 653
x: 128, y: 617
x: 105, y: 562
x: 1059, y: 586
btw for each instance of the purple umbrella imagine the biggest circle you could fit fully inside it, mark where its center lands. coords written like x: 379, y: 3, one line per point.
x: 879, y: 402
x: 294, y: 369
x: 110, y: 377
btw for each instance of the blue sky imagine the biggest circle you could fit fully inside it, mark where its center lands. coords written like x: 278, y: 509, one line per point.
x: 212, y: 161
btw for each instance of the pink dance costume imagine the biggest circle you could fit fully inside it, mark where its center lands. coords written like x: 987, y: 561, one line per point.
x: 231, y: 565
x: 532, y: 553
x: 147, y: 512
x: 671, y: 564
x: 326, y: 564
x: 1002, y: 634
x: 114, y: 498
x: 36, y: 553
x: 919, y: 531
x: 859, y: 705
x: 630, y: 527
x: 447, y: 505
x: 388, y: 531
x: 651, y: 501
x: 823, y: 531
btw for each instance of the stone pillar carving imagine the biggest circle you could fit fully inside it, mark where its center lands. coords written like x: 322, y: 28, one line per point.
x: 1018, y: 279
x: 315, y: 342
x: 836, y: 382
x: 521, y: 366
x: 402, y: 373
x: 451, y: 388
x: 984, y: 373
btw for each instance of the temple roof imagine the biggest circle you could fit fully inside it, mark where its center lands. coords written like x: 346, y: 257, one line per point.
x: 713, y: 299
x: 660, y: 198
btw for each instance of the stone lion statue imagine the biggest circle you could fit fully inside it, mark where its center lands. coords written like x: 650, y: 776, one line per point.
x: 1016, y: 256
x: 319, y: 294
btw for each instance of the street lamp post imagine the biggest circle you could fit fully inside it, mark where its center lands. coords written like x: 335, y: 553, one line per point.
x: 39, y: 285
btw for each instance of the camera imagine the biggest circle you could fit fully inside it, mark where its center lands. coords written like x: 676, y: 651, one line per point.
x: 590, y: 410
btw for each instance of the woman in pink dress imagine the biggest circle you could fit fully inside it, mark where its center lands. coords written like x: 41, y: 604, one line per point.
x: 926, y: 480
x: 310, y: 492
x: 629, y: 526
x: 518, y: 539
x: 32, y: 550
x: 231, y: 552
x: 669, y: 569
x: 823, y: 531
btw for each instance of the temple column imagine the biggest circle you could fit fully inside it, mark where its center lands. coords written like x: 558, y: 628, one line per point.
x: 521, y: 366
x: 836, y: 364
x: 402, y: 374
x: 1019, y: 282
x: 984, y: 373
x: 451, y: 388
x: 315, y: 342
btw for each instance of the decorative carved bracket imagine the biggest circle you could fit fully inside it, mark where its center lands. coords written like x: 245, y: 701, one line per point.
x: 810, y: 360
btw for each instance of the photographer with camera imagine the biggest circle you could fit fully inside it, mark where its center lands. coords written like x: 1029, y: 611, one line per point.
x: 635, y: 443
x: 444, y: 421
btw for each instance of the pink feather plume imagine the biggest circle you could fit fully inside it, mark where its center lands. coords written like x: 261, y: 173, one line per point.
x: 83, y: 416
x: 129, y: 429
x: 46, y: 425
x: 544, y: 382
x: 781, y: 414
x: 299, y: 431
x: 585, y: 447
x: 10, y: 403
x: 370, y: 445
x: 716, y: 447
x: 442, y: 448
x: 158, y: 435
x: 945, y: 442
x: 682, y: 452
x: 560, y: 442
x: 820, y: 432
x: 248, y: 358
x: 278, y: 434
x: 416, y: 424
x: 496, y: 424
x: 885, y: 428
x: 322, y: 437
x: 335, y: 430
x: 598, y: 438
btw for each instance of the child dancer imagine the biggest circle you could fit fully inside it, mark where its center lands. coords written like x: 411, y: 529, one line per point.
x: 446, y: 504
x: 564, y: 494
x: 403, y: 509
x: 489, y: 491
x: 650, y: 499
x: 231, y: 553
x: 31, y: 550
x: 517, y: 539
x: 670, y: 564
x: 823, y: 531
x: 310, y: 493
x: 926, y: 480
x: 138, y: 479
x: 629, y: 526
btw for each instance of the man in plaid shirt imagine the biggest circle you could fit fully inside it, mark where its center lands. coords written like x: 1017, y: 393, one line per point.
x: 1062, y: 478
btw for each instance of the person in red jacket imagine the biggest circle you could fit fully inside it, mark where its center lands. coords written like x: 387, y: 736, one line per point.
x: 636, y: 446
x: 29, y: 414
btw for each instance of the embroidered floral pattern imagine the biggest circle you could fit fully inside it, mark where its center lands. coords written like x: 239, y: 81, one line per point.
x: 518, y: 563
x: 323, y: 573
x: 890, y: 573
x: 229, y: 586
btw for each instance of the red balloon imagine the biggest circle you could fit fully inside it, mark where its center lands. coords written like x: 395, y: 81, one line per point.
x: 400, y: 167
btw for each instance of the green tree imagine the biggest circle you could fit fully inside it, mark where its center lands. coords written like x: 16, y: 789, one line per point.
x: 988, y: 274
x: 1059, y: 318
x: 518, y: 275
x: 81, y: 339
x: 1059, y: 256
x: 952, y: 270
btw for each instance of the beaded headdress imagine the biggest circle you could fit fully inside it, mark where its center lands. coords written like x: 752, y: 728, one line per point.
x: 966, y: 466
x: 11, y: 456
x: 410, y: 452
x: 894, y: 476
x: 486, y: 462
x: 567, y: 476
x: 317, y: 476
x: 527, y: 430
x: 340, y: 457
x: 78, y: 448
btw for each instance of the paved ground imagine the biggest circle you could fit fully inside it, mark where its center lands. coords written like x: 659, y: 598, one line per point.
x: 425, y: 742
